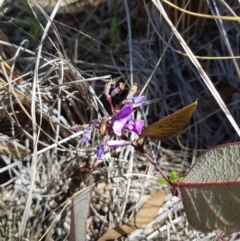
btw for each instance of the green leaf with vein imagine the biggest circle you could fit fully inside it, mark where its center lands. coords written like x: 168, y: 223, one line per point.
x: 171, y: 125
x: 211, y: 190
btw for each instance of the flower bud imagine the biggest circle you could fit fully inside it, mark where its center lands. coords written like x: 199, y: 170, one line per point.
x: 86, y: 135
x: 107, y: 88
x: 100, y: 152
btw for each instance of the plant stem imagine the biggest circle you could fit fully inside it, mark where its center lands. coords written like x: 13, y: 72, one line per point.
x: 157, y: 167
x: 141, y: 150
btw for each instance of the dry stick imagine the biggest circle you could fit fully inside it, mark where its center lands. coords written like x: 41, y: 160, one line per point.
x: 196, y: 63
x: 36, y: 132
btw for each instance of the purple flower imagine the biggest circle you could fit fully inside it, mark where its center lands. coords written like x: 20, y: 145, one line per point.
x: 125, y: 112
x: 138, y: 125
x: 134, y: 100
x: 117, y: 127
x: 115, y: 91
x: 135, y: 127
x: 116, y: 143
x: 86, y: 135
x: 100, y: 152
x: 121, y: 118
x: 138, y: 99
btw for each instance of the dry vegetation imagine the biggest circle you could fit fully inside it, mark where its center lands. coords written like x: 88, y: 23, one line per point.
x: 52, y: 77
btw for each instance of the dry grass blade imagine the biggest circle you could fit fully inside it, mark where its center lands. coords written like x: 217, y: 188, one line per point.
x: 36, y: 132
x: 223, y: 32
x: 196, y: 63
x: 226, y: 18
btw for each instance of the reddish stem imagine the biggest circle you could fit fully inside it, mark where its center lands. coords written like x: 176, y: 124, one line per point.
x: 141, y: 150
x: 157, y: 168
x: 111, y: 106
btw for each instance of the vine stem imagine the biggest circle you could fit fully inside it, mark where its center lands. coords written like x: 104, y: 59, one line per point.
x: 157, y: 167
x: 141, y: 150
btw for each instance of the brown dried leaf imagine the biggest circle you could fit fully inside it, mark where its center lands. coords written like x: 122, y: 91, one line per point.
x: 145, y: 214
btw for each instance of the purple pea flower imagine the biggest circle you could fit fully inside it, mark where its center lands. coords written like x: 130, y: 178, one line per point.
x: 135, y: 127
x: 134, y: 100
x: 121, y: 118
x: 138, y: 125
x: 138, y: 99
x: 86, y: 135
x: 100, y: 152
x: 115, y: 91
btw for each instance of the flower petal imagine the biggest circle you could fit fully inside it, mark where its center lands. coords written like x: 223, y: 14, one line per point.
x: 134, y: 100
x: 138, y: 125
x: 138, y: 99
x: 116, y: 143
x: 128, y: 127
x: 125, y: 112
x: 117, y: 127
x: 115, y: 91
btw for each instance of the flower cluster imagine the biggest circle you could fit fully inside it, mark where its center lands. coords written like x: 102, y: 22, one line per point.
x: 112, y: 128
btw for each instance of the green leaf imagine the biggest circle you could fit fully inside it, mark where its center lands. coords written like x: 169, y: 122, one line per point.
x: 162, y: 181
x: 173, y: 176
x: 180, y: 179
x: 211, y: 190
x: 171, y: 125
